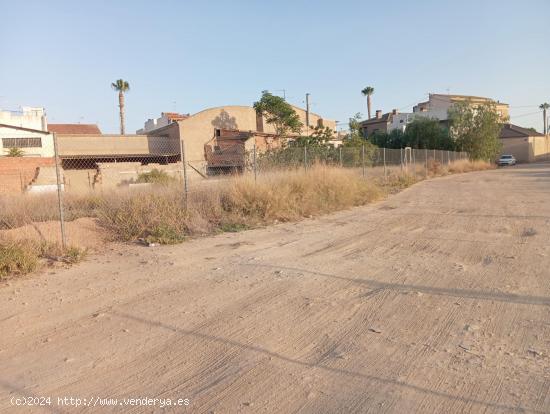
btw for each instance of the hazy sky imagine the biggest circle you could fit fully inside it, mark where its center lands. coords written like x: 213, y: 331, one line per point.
x: 186, y: 56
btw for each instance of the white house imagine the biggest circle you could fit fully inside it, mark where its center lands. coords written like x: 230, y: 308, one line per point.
x: 438, y: 105
x: 26, y: 130
x: 166, y: 118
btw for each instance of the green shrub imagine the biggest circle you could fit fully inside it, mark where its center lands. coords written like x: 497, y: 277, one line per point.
x: 17, y: 258
x: 163, y: 234
x: 155, y: 177
x: 15, y: 152
x: 233, y: 227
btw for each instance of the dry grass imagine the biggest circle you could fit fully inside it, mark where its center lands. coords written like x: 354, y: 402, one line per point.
x: 463, y: 166
x: 157, y: 214
x: 19, y: 257
x: 292, y: 195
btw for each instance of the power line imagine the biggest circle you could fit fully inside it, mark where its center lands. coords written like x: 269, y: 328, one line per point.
x: 522, y: 115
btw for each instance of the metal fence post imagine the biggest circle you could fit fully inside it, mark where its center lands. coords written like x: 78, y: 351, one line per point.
x: 59, y: 193
x: 401, y: 158
x: 384, y: 155
x: 363, y: 159
x: 341, y: 161
x: 184, y: 165
x: 448, y: 158
x: 254, y: 160
x: 426, y: 163
x: 305, y: 158
x: 414, y: 163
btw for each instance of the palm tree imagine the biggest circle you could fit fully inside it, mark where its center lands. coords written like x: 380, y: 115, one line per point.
x: 121, y: 86
x: 544, y: 107
x: 368, y: 91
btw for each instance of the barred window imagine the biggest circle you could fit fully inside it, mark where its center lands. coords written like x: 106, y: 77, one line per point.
x: 22, y: 142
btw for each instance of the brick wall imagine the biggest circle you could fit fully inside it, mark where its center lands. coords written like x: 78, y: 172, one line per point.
x: 16, y: 173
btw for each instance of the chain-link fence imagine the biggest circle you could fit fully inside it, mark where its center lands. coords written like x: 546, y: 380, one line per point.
x: 52, y: 198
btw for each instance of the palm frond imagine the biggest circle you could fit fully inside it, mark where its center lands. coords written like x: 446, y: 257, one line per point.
x: 369, y: 90
x: 120, y: 85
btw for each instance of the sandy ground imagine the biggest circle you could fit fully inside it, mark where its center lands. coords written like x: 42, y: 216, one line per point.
x: 436, y: 300
x: 83, y: 232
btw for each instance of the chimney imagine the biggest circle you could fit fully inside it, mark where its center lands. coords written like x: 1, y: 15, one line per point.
x: 394, y: 111
x: 378, y: 113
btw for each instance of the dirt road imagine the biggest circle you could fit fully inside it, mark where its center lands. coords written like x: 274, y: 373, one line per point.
x: 436, y: 300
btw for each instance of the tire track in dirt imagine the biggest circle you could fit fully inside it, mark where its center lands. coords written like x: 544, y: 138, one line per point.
x: 437, y: 300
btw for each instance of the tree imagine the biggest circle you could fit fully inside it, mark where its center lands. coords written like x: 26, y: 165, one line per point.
x: 319, y: 137
x: 476, y: 129
x: 15, y: 152
x: 279, y: 113
x: 122, y: 87
x: 420, y: 133
x: 355, y: 130
x: 393, y: 139
x: 368, y: 91
x: 544, y: 106
x: 424, y: 132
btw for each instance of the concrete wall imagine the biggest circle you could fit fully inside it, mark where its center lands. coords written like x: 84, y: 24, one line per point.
x: 113, y: 175
x: 104, y: 145
x: 541, y: 148
x: 527, y: 149
x: 520, y: 148
x: 17, y: 173
x: 198, y: 129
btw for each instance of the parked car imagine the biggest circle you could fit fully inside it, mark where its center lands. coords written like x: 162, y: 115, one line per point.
x: 507, y: 160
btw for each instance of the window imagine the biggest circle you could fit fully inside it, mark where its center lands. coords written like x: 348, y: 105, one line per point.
x: 259, y: 122
x: 22, y: 142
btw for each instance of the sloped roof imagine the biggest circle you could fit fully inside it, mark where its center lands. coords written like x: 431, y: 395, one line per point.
x: 174, y: 116
x: 23, y: 128
x: 76, y: 129
x: 514, y: 131
x: 384, y: 118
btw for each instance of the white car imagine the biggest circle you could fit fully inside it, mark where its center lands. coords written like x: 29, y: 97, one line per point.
x: 507, y: 160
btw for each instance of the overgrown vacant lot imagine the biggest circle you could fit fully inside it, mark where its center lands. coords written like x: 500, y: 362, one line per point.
x: 436, y: 300
x: 29, y: 226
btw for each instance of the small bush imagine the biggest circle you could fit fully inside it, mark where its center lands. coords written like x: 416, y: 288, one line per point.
x: 132, y: 215
x: 462, y: 166
x: 398, y: 182
x: 233, y: 227
x: 434, y: 167
x: 24, y: 256
x: 74, y: 255
x: 17, y: 258
x: 163, y: 234
x: 15, y: 152
x: 155, y: 176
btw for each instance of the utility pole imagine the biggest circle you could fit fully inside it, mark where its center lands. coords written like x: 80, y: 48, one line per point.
x: 307, y: 114
x: 283, y: 91
x: 544, y: 106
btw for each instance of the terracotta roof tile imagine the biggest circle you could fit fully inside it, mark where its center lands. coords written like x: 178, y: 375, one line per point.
x: 174, y: 116
x: 74, y: 129
x: 514, y: 131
